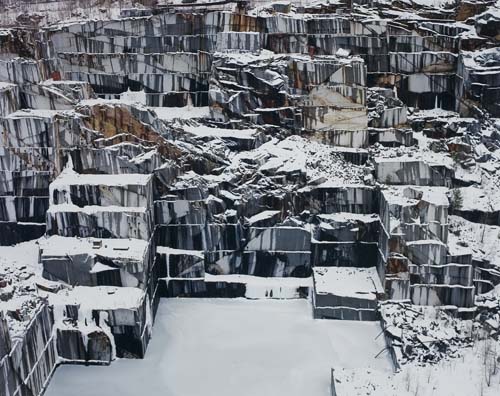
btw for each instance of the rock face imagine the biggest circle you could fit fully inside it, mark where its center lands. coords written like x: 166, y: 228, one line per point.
x: 346, y: 293
x: 28, y: 363
x: 241, y: 150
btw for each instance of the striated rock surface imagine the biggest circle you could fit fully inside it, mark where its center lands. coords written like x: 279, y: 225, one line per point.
x: 346, y: 151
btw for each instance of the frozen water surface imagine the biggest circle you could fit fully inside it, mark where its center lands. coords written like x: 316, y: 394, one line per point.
x: 225, y: 347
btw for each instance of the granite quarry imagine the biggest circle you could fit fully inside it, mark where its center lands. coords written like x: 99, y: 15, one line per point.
x: 304, y: 165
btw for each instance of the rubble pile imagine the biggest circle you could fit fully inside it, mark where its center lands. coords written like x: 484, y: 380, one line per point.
x: 19, y: 291
x: 425, y: 334
x: 489, y: 313
x: 27, y: 351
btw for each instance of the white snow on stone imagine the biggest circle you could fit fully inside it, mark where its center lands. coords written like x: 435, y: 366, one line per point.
x: 464, y: 376
x: 264, y: 215
x: 298, y: 154
x: 348, y: 282
x: 37, y: 113
x: 205, y: 131
x: 99, y: 297
x: 6, y: 86
x: 410, y: 195
x: 182, y: 113
x: 169, y: 250
x: 479, y: 198
x: 346, y: 216
x: 134, y: 97
x: 68, y: 177
x: 19, y: 267
x: 229, y: 347
x: 93, y: 209
x: 259, y: 287
x: 119, y: 248
x: 482, y: 239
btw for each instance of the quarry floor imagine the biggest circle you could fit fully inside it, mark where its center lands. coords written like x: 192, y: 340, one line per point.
x: 228, y: 347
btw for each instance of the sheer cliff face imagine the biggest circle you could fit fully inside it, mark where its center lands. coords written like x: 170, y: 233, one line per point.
x: 344, y: 150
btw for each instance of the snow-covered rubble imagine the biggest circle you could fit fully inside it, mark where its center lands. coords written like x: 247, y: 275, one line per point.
x: 319, y: 163
x: 425, y: 334
x: 18, y: 297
